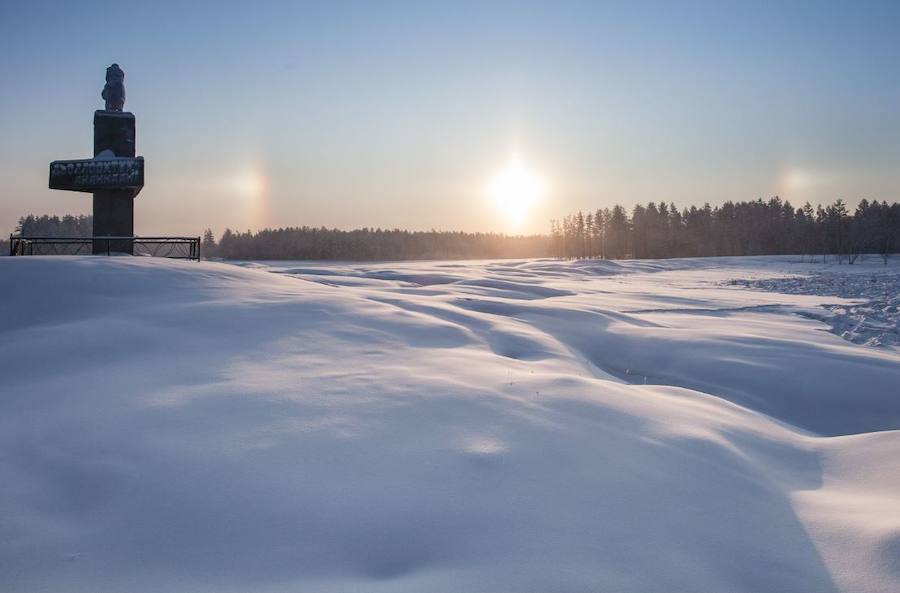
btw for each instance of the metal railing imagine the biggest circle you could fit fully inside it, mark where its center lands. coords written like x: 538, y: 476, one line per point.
x: 172, y: 247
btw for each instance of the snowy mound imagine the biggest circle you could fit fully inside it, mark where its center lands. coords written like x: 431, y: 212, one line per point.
x: 495, y: 426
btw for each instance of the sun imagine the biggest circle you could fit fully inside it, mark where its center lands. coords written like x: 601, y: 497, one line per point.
x: 514, y: 191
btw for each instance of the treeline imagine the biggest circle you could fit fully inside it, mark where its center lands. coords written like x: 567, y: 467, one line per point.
x: 759, y: 227
x: 371, y: 244
x: 80, y: 225
x: 657, y: 230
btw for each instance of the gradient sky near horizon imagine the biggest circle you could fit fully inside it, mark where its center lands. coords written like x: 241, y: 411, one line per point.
x: 398, y: 114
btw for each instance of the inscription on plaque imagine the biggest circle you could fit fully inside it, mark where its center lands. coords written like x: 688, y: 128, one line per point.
x: 89, y: 175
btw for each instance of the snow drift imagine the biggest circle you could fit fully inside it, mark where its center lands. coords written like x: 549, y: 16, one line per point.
x: 489, y: 426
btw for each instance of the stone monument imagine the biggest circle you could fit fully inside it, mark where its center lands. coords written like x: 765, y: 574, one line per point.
x: 115, y: 176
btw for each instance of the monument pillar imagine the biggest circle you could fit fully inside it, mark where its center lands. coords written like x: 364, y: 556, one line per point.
x: 114, y: 137
x: 115, y: 176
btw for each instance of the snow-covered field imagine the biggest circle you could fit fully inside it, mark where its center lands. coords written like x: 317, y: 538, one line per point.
x: 685, y: 425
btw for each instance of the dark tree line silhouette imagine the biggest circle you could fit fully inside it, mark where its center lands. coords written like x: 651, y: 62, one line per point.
x: 657, y: 230
x: 759, y: 227
x: 80, y: 225
x: 372, y: 244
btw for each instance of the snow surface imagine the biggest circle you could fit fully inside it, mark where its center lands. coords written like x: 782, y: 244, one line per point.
x: 680, y: 425
x: 873, y: 321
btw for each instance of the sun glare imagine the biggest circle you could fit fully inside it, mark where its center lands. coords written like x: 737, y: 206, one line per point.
x: 514, y: 191
x: 250, y: 184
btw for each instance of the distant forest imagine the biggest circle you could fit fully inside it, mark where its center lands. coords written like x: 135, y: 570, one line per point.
x: 322, y: 243
x: 80, y: 225
x: 657, y: 230
x: 735, y: 228
x: 372, y: 244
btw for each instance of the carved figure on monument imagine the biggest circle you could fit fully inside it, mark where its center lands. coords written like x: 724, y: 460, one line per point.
x: 114, y: 91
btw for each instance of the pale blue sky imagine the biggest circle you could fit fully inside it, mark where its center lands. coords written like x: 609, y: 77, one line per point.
x: 399, y: 114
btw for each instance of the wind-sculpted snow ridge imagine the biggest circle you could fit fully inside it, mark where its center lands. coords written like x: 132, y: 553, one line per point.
x: 507, y: 426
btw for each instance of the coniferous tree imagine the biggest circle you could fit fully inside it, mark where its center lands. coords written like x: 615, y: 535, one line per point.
x: 618, y: 232
x: 208, y: 244
x: 640, y: 229
x: 599, y: 234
